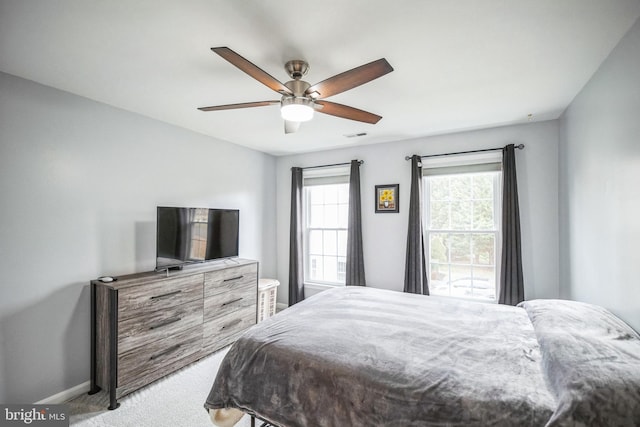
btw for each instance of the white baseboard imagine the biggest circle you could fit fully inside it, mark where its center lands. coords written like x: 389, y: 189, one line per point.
x: 66, y: 395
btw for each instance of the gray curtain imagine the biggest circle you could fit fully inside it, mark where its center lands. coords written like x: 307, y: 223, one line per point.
x: 415, y: 271
x: 355, y: 258
x: 511, y: 279
x: 296, y: 261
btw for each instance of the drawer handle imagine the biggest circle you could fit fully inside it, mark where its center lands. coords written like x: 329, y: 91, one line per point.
x: 165, y: 295
x: 233, y: 278
x: 166, y: 322
x: 167, y: 351
x: 231, y: 302
x: 232, y: 323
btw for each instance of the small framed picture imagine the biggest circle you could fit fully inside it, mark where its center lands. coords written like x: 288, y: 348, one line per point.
x: 388, y: 198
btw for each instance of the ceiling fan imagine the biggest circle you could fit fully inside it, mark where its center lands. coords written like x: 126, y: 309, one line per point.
x: 299, y: 98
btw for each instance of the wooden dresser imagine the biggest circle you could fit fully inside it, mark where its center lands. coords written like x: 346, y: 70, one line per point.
x: 147, y: 325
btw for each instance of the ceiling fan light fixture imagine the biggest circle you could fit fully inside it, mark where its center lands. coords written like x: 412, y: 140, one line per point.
x: 296, y: 109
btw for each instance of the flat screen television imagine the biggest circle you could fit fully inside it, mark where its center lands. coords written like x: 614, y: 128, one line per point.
x: 189, y: 235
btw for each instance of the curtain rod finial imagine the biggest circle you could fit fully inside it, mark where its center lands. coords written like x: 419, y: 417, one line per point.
x: 521, y: 146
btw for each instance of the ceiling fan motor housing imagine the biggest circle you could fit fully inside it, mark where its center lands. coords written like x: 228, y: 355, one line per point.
x: 298, y: 87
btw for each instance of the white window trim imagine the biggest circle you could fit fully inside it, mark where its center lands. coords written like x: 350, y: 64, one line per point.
x: 457, y: 163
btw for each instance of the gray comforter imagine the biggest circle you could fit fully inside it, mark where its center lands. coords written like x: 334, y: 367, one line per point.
x: 368, y: 357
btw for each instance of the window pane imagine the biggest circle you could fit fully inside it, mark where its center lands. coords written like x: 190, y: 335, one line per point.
x: 460, y: 187
x: 461, y: 279
x: 343, y: 216
x: 315, y: 242
x: 460, y: 251
x: 330, y: 269
x: 483, y: 186
x: 439, y: 273
x: 483, y: 249
x: 316, y: 194
x: 438, y: 251
x: 483, y: 215
x: 330, y: 242
x: 316, y: 216
x: 342, y: 269
x: 485, y: 274
x: 343, y: 193
x: 342, y: 243
x: 439, y: 279
x: 461, y: 214
x: 484, y: 285
x: 330, y: 216
x: 331, y: 193
x: 315, y: 267
x: 439, y: 215
x: 439, y: 188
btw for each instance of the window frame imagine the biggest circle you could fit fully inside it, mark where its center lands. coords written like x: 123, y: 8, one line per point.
x: 330, y: 176
x: 461, y: 165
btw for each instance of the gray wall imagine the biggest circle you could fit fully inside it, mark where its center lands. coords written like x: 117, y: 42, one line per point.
x: 79, y: 185
x: 384, y: 235
x: 600, y: 186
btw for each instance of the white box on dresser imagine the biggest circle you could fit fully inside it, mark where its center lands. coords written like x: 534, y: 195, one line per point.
x: 147, y: 325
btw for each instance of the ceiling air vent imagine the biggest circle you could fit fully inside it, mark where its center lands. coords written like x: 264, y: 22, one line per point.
x: 355, y: 135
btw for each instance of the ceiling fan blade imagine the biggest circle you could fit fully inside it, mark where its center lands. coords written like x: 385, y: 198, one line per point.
x: 347, y: 112
x: 350, y: 79
x: 251, y: 69
x: 291, y: 127
x: 236, y: 106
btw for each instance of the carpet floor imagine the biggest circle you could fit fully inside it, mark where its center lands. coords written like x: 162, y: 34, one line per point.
x: 174, y: 401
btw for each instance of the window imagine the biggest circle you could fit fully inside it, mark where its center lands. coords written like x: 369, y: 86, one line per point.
x: 326, y: 209
x: 462, y: 214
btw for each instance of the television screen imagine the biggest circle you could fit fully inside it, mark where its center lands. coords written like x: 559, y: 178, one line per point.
x: 187, y: 235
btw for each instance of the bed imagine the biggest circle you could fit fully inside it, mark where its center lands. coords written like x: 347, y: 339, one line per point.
x: 369, y: 357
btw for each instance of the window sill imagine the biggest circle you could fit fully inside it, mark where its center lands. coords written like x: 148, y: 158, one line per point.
x: 310, y: 289
x: 321, y: 286
x: 486, y: 301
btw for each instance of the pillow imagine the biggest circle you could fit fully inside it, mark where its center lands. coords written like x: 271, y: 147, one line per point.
x: 591, y: 360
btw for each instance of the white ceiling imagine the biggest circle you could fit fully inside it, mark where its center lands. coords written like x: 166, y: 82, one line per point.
x: 459, y: 65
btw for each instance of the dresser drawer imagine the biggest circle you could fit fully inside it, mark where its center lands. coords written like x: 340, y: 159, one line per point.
x: 151, y: 326
x: 219, y: 305
x: 223, y: 342
x: 144, y: 361
x: 137, y: 300
x: 217, y: 332
x: 217, y: 282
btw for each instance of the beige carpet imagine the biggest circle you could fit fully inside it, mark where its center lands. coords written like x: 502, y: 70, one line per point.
x: 174, y: 401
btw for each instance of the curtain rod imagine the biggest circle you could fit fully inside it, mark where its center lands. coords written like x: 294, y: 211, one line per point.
x: 520, y: 147
x: 334, y: 164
